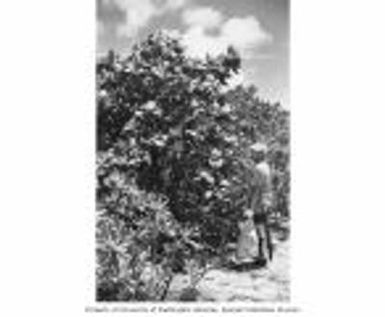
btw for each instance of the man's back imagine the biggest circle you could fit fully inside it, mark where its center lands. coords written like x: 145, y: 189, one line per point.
x: 260, y: 188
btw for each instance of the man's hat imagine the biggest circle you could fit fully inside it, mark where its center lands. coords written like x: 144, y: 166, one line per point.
x: 259, y: 147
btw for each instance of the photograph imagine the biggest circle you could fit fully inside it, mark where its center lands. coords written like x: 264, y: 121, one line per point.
x: 192, y: 151
x: 192, y: 157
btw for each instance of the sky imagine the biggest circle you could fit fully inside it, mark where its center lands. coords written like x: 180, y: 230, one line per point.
x: 258, y: 29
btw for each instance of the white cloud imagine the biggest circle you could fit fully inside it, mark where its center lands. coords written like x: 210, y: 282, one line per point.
x: 198, y: 43
x: 203, y: 17
x: 246, y: 34
x: 139, y: 12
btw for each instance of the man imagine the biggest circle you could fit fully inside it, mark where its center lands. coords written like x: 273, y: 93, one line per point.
x: 261, y: 197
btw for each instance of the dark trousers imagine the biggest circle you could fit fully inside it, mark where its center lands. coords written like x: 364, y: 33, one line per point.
x: 260, y: 227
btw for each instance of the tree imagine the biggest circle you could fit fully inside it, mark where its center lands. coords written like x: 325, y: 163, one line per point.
x: 269, y: 123
x: 172, y: 144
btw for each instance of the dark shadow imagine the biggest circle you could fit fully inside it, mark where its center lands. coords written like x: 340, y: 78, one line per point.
x: 258, y: 263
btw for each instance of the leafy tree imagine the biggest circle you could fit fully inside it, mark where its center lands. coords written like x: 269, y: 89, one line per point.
x: 172, y: 144
x: 259, y: 120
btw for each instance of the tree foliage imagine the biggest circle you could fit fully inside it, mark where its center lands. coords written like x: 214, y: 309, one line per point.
x: 172, y: 164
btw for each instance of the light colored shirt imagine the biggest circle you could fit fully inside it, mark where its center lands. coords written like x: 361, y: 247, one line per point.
x: 261, y: 194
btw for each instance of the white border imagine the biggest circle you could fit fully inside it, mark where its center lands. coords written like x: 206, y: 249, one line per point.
x: 47, y: 160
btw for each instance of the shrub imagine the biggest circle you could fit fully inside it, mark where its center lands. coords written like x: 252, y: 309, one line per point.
x: 173, y: 165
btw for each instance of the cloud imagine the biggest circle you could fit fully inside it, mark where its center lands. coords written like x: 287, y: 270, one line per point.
x: 174, y: 4
x: 244, y: 33
x: 139, y: 12
x: 203, y: 17
x: 198, y: 43
x: 207, y: 30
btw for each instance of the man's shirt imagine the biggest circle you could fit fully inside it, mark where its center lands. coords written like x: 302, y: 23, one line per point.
x: 260, y: 194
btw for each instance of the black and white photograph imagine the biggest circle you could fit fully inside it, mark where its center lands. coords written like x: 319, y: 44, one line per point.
x: 193, y: 151
x: 192, y: 157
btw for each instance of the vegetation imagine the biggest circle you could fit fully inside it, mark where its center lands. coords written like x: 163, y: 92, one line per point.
x: 172, y: 159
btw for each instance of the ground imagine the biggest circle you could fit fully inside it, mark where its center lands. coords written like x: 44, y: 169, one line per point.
x: 221, y: 284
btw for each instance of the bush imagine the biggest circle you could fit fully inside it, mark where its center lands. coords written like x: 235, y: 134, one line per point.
x: 136, y: 245
x: 173, y: 163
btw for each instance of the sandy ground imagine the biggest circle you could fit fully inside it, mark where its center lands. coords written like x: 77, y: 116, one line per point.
x: 266, y: 284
